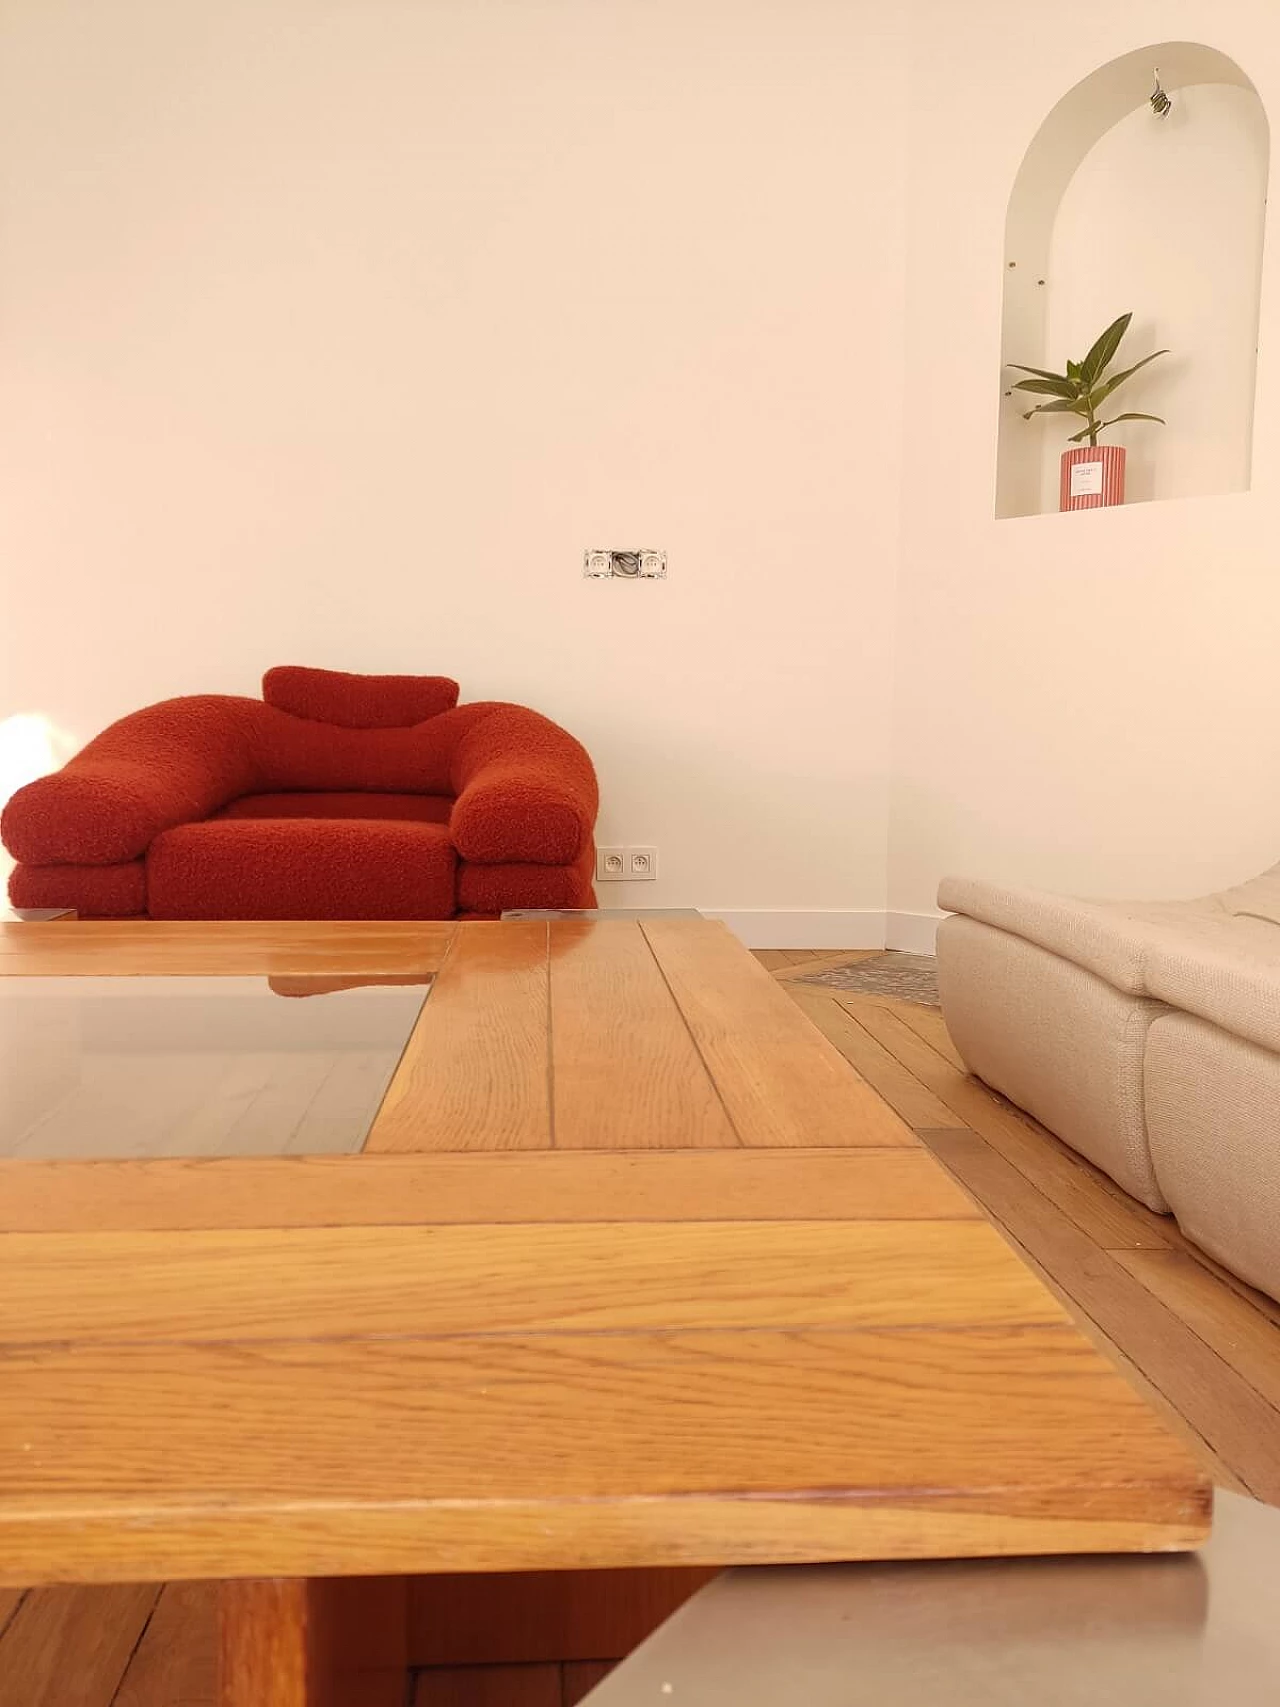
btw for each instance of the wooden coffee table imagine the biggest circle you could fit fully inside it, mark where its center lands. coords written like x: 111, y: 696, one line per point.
x: 632, y: 1270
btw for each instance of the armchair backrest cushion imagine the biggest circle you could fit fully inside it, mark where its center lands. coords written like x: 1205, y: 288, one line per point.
x: 357, y: 702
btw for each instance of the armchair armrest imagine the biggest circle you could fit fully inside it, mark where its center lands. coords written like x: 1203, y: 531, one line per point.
x: 170, y: 764
x: 526, y: 790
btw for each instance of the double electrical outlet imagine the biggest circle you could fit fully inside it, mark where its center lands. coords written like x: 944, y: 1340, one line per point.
x: 599, y: 564
x: 626, y: 865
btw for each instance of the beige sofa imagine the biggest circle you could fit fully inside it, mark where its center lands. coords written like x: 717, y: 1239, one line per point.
x: 1147, y: 1035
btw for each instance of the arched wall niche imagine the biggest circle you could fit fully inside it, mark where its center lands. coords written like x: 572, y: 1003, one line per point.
x: 1112, y: 210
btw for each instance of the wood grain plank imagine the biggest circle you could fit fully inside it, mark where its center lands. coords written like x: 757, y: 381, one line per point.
x: 539, y: 1452
x: 71, y: 1645
x: 625, y: 1072
x: 1227, y: 1411
x: 175, y: 1664
x: 1197, y: 1445
x: 914, y: 1102
x: 474, y: 1073
x: 581, y: 1678
x: 772, y: 959
x: 418, y: 1281
x: 1269, y: 1307
x: 1109, y: 1218
x: 824, y: 962
x: 524, y: 1617
x: 490, y: 1686
x: 929, y: 1024
x: 290, y: 948
x: 318, y: 1642
x: 782, y: 1082
x: 267, y: 1645
x: 10, y: 1601
x: 707, y: 1185
x: 1240, y: 1334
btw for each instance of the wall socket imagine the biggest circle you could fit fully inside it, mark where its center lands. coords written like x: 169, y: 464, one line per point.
x: 626, y: 865
x: 599, y: 564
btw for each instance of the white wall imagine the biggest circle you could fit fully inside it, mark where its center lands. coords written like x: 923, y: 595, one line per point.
x: 332, y: 331
x: 1089, y: 701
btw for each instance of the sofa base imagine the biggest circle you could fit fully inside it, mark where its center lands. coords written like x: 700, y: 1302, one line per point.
x: 90, y: 891
x: 202, y: 882
x: 1056, y: 1040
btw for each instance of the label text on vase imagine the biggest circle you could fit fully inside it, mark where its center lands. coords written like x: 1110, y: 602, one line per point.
x: 1086, y: 479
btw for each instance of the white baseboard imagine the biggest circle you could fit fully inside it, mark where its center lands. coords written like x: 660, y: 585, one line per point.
x: 804, y: 928
x: 912, y: 933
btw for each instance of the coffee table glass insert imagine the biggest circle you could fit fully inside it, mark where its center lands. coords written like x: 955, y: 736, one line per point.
x: 120, y: 1067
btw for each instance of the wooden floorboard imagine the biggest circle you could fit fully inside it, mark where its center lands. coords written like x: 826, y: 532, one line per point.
x: 174, y: 1665
x: 1239, y: 1333
x: 1204, y: 1345
x: 806, y: 966
x: 899, y: 1087
x: 491, y: 1686
x: 10, y: 1600
x: 68, y: 1646
x: 1108, y: 1217
x: 1223, y: 1475
x: 579, y: 1680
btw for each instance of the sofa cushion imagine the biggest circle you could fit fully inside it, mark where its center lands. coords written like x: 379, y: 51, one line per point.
x: 425, y: 808
x: 1233, y: 981
x: 1115, y: 939
x: 1217, y: 957
x: 1257, y: 899
x: 301, y: 868
x: 357, y: 702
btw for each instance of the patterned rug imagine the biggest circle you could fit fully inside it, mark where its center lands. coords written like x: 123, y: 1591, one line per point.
x: 909, y: 977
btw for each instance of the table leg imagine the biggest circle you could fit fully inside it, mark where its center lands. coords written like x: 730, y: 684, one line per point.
x: 312, y: 1642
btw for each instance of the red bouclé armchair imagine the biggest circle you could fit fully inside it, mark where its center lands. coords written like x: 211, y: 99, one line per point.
x: 332, y: 797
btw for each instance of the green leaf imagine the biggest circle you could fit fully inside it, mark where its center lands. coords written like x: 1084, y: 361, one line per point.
x: 1040, y: 372
x: 1103, y: 352
x: 1079, y: 438
x: 1073, y: 370
x: 1132, y: 416
x: 1062, y: 407
x: 1117, y: 379
x: 1049, y: 387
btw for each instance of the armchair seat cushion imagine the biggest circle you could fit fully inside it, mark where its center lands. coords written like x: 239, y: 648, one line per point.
x: 424, y: 808
x: 301, y: 868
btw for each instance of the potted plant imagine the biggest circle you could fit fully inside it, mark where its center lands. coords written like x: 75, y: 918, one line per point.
x: 1093, y: 475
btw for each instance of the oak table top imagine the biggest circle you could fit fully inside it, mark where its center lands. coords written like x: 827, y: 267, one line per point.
x: 632, y: 1269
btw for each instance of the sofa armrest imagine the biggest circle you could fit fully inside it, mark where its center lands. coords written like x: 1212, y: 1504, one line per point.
x: 526, y: 790
x: 170, y: 764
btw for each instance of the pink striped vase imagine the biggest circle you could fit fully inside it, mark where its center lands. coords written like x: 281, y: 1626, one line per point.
x: 1092, y: 477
